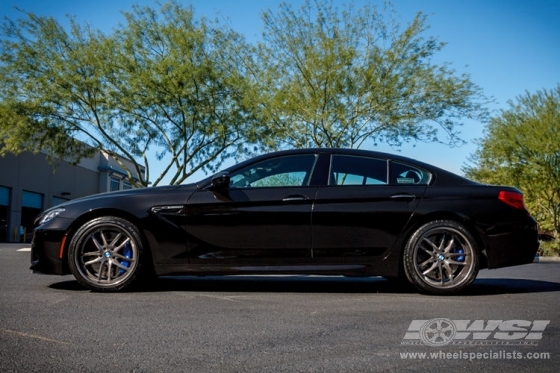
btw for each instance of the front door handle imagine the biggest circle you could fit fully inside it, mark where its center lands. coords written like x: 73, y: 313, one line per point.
x: 403, y: 197
x: 295, y: 198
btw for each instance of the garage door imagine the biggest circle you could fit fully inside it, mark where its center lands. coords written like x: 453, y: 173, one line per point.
x: 33, y: 200
x: 4, y: 196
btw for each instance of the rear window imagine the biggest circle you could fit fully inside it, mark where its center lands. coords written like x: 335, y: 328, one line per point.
x: 405, y: 174
x: 356, y: 170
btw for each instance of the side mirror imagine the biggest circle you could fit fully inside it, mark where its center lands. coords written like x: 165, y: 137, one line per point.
x: 220, y: 181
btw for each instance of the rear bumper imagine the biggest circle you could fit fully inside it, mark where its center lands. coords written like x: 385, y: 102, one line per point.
x: 512, y: 244
x: 46, y: 254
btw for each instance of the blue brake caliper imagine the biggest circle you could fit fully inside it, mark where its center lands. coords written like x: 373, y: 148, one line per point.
x: 459, y: 250
x: 127, y: 253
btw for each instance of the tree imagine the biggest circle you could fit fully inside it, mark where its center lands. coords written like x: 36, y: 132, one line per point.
x: 343, y: 78
x: 194, y: 93
x: 164, y: 83
x: 521, y: 146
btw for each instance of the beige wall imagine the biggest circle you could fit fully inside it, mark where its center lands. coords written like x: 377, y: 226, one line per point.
x: 33, y: 173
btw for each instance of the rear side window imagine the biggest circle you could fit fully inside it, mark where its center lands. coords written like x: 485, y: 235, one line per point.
x: 355, y: 170
x: 405, y: 174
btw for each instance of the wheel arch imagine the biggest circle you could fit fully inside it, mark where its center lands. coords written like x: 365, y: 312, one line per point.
x: 470, y: 225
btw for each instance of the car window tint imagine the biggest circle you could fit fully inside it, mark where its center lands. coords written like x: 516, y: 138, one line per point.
x: 294, y: 170
x: 405, y: 174
x: 354, y: 170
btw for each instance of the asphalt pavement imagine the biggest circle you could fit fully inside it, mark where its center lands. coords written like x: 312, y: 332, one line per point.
x: 508, y: 320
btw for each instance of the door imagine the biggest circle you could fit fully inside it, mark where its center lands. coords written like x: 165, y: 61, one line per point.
x: 364, y: 208
x: 263, y: 217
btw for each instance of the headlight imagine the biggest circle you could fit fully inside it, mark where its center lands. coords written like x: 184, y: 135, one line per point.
x: 49, y: 215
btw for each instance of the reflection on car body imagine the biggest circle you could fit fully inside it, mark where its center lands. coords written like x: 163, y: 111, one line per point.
x: 307, y: 211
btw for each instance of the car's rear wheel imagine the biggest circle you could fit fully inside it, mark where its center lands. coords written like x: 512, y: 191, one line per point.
x: 441, y: 257
x: 106, y: 254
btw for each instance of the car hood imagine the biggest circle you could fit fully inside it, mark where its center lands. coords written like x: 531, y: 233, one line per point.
x: 148, y: 194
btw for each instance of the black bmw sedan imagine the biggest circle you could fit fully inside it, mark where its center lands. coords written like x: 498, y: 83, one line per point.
x: 308, y: 211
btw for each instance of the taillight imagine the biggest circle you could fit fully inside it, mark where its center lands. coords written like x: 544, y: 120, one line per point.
x: 514, y: 199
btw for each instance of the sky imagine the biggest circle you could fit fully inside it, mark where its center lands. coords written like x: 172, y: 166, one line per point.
x: 508, y: 47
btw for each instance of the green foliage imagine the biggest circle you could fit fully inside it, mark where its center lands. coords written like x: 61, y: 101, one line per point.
x: 178, y: 81
x: 521, y: 147
x: 19, y: 132
x: 550, y: 248
x: 163, y: 82
x: 194, y: 93
x: 340, y: 78
x: 30, y: 71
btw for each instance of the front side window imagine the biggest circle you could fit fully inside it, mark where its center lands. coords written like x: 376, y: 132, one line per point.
x: 293, y: 170
x: 355, y: 170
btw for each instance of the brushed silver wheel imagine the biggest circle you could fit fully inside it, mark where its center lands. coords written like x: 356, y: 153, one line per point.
x: 441, y: 258
x: 105, y: 254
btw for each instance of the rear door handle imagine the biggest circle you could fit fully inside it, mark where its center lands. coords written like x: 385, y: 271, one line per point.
x: 294, y: 198
x: 403, y: 197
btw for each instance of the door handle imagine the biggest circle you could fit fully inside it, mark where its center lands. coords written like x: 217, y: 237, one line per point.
x: 403, y: 197
x: 294, y: 198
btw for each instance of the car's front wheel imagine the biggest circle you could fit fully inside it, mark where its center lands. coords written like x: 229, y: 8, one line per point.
x: 106, y: 254
x: 441, y: 257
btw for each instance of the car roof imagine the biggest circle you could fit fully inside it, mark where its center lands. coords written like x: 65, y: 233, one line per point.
x: 344, y: 151
x: 438, y: 173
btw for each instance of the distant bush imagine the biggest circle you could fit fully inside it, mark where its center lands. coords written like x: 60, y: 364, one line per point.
x: 550, y: 248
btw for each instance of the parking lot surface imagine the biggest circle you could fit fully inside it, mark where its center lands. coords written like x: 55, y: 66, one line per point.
x: 508, y: 320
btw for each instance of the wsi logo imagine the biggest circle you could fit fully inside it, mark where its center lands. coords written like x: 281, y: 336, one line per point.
x: 440, y: 332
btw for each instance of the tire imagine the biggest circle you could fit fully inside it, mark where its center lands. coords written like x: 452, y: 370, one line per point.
x: 106, y: 254
x: 441, y: 257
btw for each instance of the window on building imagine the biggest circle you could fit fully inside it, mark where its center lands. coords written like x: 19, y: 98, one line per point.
x: 126, y: 185
x: 58, y: 200
x: 115, y: 184
x: 4, y: 204
x: 31, y: 206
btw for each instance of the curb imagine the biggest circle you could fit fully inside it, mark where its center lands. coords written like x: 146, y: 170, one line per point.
x: 549, y: 259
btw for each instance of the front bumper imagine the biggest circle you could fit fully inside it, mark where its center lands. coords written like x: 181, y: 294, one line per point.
x: 47, y: 254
